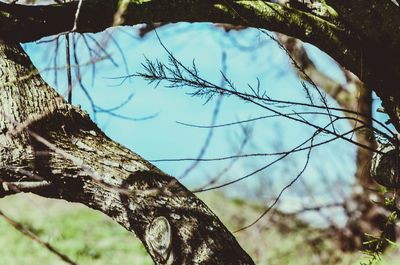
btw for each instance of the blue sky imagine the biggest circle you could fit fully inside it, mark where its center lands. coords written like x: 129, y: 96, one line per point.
x: 249, y: 55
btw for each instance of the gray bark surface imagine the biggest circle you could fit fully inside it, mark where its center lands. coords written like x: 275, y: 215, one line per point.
x: 53, y: 149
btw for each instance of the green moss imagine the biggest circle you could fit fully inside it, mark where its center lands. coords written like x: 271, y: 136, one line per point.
x: 4, y: 14
x: 221, y: 7
x: 135, y: 1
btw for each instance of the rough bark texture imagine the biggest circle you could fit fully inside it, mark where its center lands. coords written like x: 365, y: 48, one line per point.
x: 376, y: 24
x: 53, y: 149
x: 360, y: 35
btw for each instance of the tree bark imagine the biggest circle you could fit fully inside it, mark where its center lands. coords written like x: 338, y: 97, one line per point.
x: 360, y: 35
x: 45, y: 142
x: 53, y: 149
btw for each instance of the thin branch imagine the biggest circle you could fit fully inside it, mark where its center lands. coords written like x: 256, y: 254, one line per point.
x: 215, y: 178
x: 78, y: 10
x: 27, y: 232
x: 213, y: 121
x: 68, y: 59
x: 284, y: 154
x: 282, y: 191
x: 178, y: 75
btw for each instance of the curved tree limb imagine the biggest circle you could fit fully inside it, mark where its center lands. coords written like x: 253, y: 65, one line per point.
x: 29, y: 23
x: 60, y: 145
x: 377, y: 24
x: 138, y: 193
x: 361, y: 37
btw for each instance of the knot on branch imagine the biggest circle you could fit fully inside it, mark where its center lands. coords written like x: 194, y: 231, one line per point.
x: 159, y: 239
x: 385, y: 168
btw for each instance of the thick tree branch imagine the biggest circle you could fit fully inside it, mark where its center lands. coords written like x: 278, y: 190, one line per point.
x: 379, y: 20
x: 28, y: 23
x: 60, y: 145
x: 377, y: 24
x: 355, y: 37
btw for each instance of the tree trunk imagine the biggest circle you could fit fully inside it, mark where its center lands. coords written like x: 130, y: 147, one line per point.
x: 364, y: 207
x: 53, y: 149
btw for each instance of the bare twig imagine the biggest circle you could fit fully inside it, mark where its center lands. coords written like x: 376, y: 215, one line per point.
x: 27, y: 232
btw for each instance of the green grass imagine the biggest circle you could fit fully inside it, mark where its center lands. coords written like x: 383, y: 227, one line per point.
x: 86, y: 236
x: 89, y: 237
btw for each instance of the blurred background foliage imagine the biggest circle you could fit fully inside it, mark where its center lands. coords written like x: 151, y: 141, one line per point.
x: 89, y: 237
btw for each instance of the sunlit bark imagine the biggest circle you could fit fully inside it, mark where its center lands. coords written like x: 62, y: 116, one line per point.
x: 53, y: 149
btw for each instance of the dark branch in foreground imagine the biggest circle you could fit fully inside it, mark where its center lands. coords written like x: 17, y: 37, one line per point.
x: 61, y: 144
x: 25, y: 231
